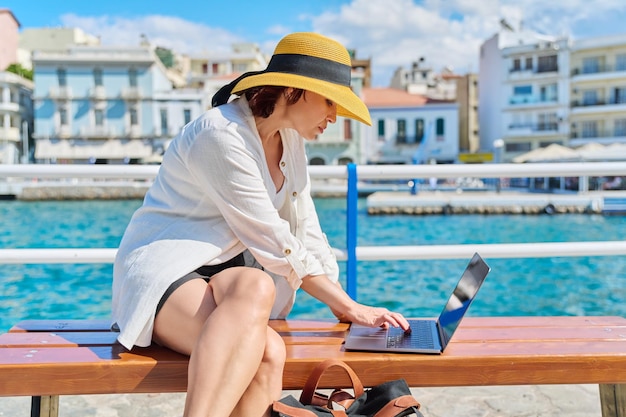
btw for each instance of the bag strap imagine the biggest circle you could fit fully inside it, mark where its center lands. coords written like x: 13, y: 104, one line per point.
x: 397, y: 405
x: 314, y: 378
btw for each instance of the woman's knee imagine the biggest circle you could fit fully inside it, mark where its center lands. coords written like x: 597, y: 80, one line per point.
x: 250, y: 285
x: 275, y: 350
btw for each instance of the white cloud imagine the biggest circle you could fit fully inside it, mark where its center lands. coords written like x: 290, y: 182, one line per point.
x: 178, y: 34
x: 397, y: 32
x: 393, y: 33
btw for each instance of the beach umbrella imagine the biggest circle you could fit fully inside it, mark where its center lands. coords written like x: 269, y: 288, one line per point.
x: 551, y: 153
x: 599, y: 152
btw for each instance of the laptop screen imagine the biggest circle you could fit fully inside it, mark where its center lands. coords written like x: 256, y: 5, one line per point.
x: 462, y: 297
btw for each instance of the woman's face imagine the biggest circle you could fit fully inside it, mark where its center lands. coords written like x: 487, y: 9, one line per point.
x: 311, y: 114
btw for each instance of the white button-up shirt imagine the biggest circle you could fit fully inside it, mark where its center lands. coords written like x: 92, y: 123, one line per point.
x: 214, y: 198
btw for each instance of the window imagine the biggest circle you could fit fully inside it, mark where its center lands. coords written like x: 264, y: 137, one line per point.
x: 132, y: 77
x: 62, y: 77
x: 548, y: 93
x: 419, y: 130
x: 619, y: 95
x: 529, y: 63
x: 547, y: 64
x: 63, y: 121
x: 381, y: 130
x: 164, y: 129
x: 517, y: 147
x: 620, y: 127
x: 590, y: 97
x: 590, y: 129
x: 439, y: 129
x: 97, y: 77
x: 99, y: 117
x: 187, y: 115
x: 401, y: 138
x: 347, y: 129
x: 620, y: 62
x: 591, y: 65
x: 521, y: 94
x: 134, y: 116
x: 547, y: 121
x: 205, y: 68
x: 517, y: 65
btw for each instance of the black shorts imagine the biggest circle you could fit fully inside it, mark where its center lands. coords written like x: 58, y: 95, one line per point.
x: 204, y: 272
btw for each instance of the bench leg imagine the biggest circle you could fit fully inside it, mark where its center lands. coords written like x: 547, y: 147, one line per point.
x: 613, y: 400
x: 44, y: 406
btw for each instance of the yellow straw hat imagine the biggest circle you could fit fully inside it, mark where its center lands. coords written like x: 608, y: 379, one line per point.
x: 311, y: 62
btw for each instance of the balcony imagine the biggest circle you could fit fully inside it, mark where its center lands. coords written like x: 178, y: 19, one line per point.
x: 10, y: 134
x: 97, y: 93
x: 60, y: 93
x: 598, y: 106
x: 9, y: 107
x: 63, y: 132
x: 530, y: 129
x: 97, y: 132
x: 600, y: 135
x: 134, y: 131
x: 131, y: 93
x: 531, y: 101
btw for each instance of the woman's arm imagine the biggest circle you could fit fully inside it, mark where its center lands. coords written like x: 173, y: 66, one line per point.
x: 346, y: 309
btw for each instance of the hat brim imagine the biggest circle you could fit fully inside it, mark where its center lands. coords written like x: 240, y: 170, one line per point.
x: 348, y: 103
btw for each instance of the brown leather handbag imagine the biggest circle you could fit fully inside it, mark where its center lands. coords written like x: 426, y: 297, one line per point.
x: 390, y: 399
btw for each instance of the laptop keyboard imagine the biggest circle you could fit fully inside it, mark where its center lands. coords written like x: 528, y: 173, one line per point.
x: 420, y: 336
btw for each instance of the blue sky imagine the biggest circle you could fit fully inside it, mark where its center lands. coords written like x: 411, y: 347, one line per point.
x: 394, y: 33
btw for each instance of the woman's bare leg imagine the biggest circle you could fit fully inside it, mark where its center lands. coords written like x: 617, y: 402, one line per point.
x: 267, y: 385
x: 223, y: 327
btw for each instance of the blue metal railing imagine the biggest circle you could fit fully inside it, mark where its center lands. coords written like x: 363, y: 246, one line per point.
x: 352, y: 197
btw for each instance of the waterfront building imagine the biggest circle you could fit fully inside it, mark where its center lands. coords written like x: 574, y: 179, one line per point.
x: 410, y: 128
x: 211, y: 70
x: 422, y: 79
x: 598, y: 91
x: 524, y: 91
x: 16, y: 118
x: 9, y: 35
x: 96, y: 104
x: 469, y: 139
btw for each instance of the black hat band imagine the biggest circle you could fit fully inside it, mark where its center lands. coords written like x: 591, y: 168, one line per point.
x: 296, y: 64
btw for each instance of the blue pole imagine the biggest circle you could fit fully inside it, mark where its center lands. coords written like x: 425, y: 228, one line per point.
x: 351, y: 226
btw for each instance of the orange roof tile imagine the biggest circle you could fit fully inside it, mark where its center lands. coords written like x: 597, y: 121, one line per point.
x: 391, y: 97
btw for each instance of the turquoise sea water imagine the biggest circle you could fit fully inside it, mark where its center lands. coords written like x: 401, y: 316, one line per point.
x: 531, y: 286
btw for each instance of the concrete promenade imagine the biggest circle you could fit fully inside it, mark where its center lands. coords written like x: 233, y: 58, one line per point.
x: 512, y: 401
x: 491, y: 202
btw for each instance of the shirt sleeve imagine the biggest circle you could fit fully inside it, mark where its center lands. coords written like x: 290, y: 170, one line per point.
x: 313, y: 236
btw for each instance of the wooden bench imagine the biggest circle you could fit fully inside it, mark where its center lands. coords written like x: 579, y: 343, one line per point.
x: 48, y: 358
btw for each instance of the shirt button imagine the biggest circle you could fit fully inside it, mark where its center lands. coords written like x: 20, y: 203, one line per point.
x: 287, y: 251
x: 295, y: 194
x: 282, y: 164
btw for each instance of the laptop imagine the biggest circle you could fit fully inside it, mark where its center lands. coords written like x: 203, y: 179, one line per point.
x: 426, y: 335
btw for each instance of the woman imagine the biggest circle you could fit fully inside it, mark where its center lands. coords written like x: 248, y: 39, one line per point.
x: 228, y: 232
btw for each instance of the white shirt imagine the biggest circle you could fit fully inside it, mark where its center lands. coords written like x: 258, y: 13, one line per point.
x: 212, y: 199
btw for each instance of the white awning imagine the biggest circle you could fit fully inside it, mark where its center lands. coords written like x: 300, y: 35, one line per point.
x: 85, y: 149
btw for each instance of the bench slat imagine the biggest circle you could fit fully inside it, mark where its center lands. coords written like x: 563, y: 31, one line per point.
x: 332, y: 325
x: 88, y: 325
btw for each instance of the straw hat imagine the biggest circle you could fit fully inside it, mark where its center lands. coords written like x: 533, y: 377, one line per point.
x: 311, y: 62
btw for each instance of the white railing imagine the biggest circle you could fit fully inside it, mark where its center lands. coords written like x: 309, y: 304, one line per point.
x: 363, y: 253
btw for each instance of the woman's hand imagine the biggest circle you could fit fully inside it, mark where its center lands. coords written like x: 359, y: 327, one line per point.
x: 372, y: 317
x: 348, y: 310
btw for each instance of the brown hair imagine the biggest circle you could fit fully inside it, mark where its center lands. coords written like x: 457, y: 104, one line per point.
x: 263, y: 99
